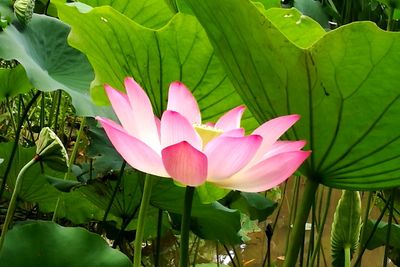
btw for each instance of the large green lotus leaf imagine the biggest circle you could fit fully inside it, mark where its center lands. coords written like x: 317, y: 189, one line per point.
x: 127, y: 198
x: 49, y: 62
x: 149, y: 13
x: 47, y: 244
x: 13, y: 82
x: 118, y: 47
x: 209, y: 221
x: 74, y: 207
x: 345, y: 86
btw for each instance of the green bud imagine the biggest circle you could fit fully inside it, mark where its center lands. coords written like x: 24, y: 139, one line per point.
x: 23, y: 10
x: 50, y: 150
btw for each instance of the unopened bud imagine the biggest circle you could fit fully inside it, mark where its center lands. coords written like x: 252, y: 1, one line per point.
x: 23, y: 10
x: 50, y: 150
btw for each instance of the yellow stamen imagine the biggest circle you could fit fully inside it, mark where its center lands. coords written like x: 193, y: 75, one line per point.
x: 207, y: 133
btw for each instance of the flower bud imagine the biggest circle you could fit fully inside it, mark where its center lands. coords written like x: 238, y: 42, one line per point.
x: 50, y: 150
x: 23, y: 10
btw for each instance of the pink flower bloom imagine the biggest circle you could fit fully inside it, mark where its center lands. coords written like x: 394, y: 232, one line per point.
x: 179, y: 146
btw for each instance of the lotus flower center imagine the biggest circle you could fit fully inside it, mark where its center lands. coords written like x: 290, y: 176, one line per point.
x: 207, y: 133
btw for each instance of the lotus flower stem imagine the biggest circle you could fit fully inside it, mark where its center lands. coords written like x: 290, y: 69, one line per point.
x: 293, y: 209
x: 144, y: 204
x: 70, y: 163
x: 13, y: 201
x: 297, y: 233
x: 185, y: 227
x: 321, y: 228
x: 347, y: 256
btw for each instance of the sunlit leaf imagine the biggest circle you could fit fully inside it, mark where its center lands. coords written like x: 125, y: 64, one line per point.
x: 118, y: 47
x: 209, y: 193
x: 149, y: 13
x: 343, y: 84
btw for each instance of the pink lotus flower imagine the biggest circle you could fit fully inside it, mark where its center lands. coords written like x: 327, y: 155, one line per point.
x: 180, y: 147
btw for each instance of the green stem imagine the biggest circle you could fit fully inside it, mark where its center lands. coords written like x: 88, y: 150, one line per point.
x: 217, y: 252
x: 280, y: 206
x: 114, y: 194
x: 387, y: 245
x: 347, y: 256
x: 158, y: 240
x: 229, y: 255
x: 11, y: 115
x: 185, y: 227
x: 196, y: 251
x: 311, y: 238
x: 321, y: 228
x: 364, y: 245
x: 16, y: 140
x: 144, y: 204
x: 59, y: 95
x: 363, y: 232
x: 13, y: 201
x: 389, y: 26
x: 21, y: 102
x: 42, y: 110
x: 70, y: 163
x: 293, y: 208
x: 299, y: 223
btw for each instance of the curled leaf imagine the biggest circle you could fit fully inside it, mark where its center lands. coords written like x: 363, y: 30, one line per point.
x: 51, y: 150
